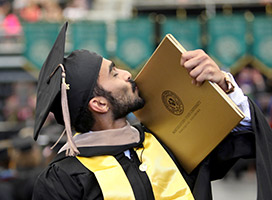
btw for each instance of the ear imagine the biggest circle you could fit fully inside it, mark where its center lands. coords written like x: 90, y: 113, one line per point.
x: 99, y: 104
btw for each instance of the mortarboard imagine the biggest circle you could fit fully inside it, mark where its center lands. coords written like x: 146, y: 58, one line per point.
x: 65, y: 86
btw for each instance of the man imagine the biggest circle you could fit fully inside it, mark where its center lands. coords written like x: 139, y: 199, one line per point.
x: 109, y: 159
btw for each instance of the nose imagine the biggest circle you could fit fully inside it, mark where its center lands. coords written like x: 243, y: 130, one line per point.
x: 124, y: 74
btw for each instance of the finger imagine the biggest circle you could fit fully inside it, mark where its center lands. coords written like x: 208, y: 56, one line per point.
x: 182, y: 60
x: 202, y: 77
x: 194, y: 82
x: 188, y: 55
x: 203, y: 72
x: 197, y: 74
x: 192, y: 63
x: 208, y: 73
x: 196, y: 71
x: 194, y: 59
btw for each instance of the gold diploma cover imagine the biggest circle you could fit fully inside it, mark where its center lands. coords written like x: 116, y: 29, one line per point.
x: 189, y: 119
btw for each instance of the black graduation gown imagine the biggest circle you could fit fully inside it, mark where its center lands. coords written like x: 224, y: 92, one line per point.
x: 66, y: 178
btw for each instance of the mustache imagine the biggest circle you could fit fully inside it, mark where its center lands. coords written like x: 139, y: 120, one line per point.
x: 133, y: 85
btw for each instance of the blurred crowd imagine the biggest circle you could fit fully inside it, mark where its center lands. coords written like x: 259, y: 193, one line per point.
x: 22, y: 159
x: 15, y: 12
x: 258, y: 87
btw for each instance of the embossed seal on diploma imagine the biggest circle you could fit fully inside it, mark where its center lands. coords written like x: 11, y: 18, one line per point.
x: 172, y: 102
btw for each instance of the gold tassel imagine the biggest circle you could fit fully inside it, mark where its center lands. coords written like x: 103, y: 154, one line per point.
x: 72, y: 149
x: 63, y: 132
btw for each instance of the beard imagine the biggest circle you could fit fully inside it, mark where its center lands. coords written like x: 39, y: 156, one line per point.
x: 122, y: 107
x: 122, y: 103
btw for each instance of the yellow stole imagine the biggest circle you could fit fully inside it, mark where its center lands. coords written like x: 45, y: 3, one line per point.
x: 166, y: 180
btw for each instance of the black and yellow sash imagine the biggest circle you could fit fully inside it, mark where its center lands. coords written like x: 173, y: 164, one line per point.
x: 166, y: 180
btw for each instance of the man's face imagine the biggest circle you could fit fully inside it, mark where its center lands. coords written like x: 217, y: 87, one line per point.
x: 124, y: 93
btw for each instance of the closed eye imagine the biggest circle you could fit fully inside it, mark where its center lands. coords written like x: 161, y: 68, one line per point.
x: 114, y: 71
x: 115, y: 74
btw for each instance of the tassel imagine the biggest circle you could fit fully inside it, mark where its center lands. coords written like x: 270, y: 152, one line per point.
x: 63, y: 132
x: 72, y: 149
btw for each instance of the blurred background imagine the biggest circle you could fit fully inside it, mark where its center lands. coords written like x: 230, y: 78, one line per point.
x: 237, y: 34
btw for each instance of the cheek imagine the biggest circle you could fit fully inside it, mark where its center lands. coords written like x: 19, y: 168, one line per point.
x: 118, y: 89
x: 121, y: 87
x: 122, y: 93
x: 107, y: 85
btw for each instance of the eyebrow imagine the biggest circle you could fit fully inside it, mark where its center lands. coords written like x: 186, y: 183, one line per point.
x: 111, y: 67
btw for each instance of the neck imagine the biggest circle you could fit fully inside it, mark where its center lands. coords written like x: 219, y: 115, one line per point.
x: 105, y: 123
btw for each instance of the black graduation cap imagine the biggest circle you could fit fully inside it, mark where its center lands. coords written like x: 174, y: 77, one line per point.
x: 65, y: 86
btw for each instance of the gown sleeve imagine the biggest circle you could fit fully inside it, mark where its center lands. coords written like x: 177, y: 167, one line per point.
x: 263, y: 136
x: 58, y: 183
x: 253, y: 143
x: 55, y: 184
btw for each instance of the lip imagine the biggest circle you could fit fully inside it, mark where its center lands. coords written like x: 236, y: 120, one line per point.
x: 133, y: 86
x: 134, y: 89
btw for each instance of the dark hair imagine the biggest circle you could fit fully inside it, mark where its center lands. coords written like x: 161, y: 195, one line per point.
x: 85, y: 121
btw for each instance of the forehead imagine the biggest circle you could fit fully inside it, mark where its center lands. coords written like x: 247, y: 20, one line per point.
x: 105, y: 69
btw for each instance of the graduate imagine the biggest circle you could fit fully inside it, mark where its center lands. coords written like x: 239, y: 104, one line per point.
x: 108, y: 158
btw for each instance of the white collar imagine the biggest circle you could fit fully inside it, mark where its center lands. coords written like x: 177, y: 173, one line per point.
x: 111, y: 137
